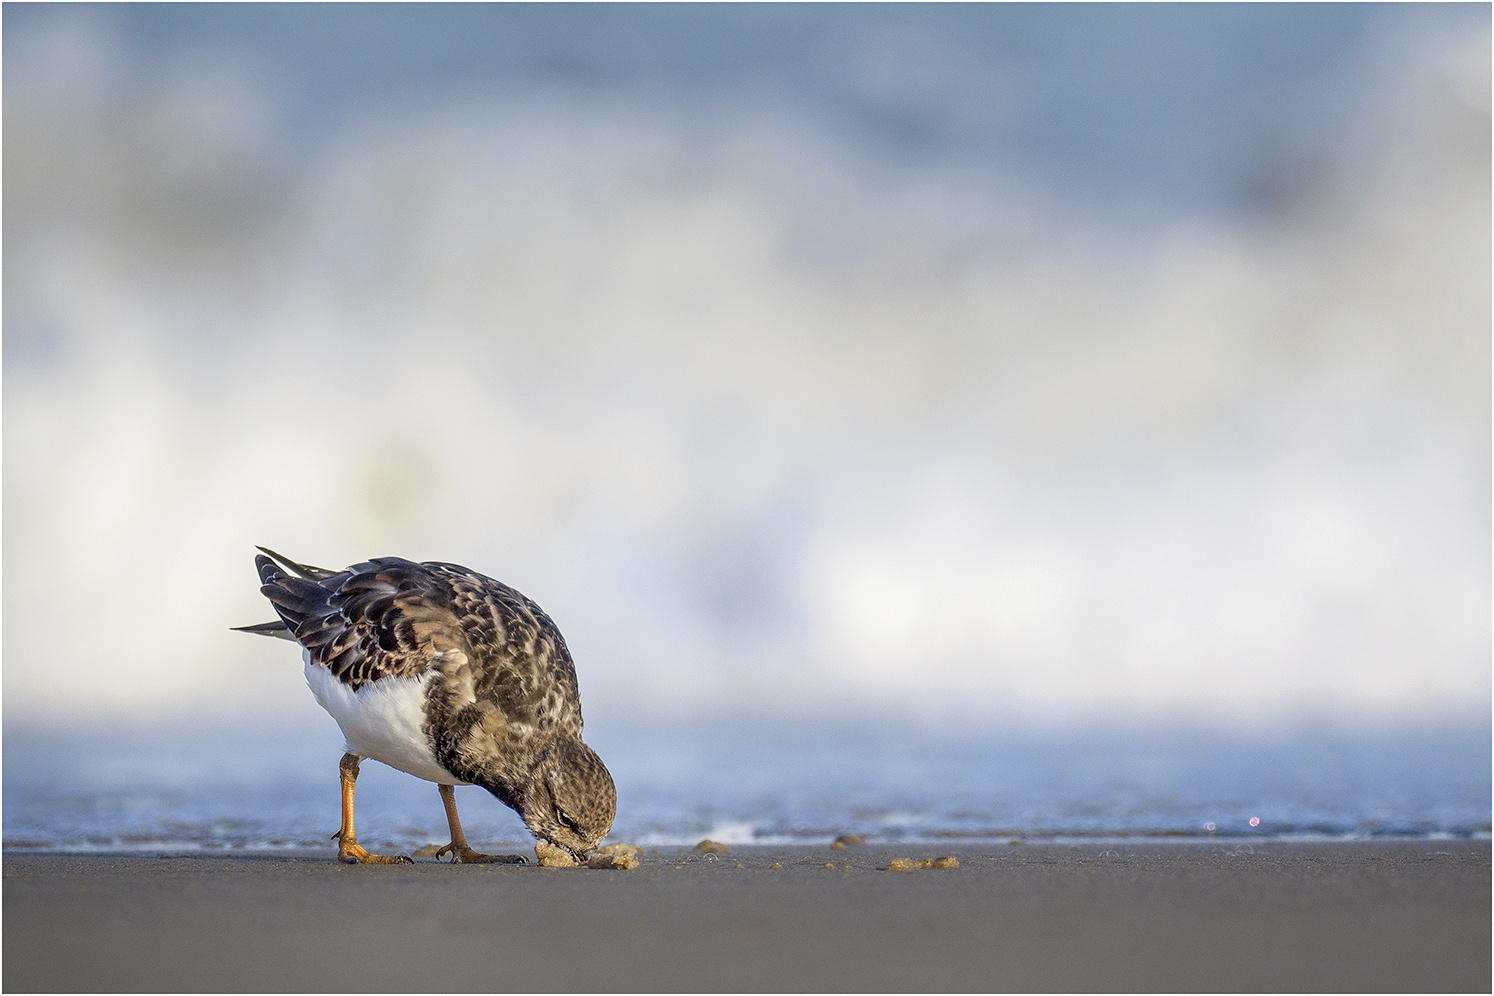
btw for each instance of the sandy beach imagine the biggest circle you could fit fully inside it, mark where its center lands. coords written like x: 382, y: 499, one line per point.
x: 1138, y: 915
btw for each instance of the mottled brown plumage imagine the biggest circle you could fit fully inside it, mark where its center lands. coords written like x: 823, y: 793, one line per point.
x: 496, y: 683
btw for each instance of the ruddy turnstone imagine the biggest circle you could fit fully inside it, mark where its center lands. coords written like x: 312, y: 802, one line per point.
x: 449, y: 676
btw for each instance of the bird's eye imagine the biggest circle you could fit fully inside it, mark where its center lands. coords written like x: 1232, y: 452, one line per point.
x: 569, y: 824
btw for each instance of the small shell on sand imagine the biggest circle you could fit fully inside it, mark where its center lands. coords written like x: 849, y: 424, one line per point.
x: 846, y: 840
x: 553, y: 856
x: 915, y: 864
x: 711, y: 847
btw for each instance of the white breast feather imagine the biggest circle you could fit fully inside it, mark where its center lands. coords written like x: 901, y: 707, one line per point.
x: 381, y: 720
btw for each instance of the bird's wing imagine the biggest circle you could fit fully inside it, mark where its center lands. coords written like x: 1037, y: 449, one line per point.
x: 387, y: 617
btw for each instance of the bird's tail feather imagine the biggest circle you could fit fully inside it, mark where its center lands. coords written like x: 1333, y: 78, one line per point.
x: 294, y: 598
x: 276, y: 629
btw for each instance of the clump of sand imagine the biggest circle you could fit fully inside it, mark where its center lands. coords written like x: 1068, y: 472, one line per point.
x: 916, y: 864
x: 553, y: 856
x: 619, y: 856
x: 623, y: 857
x: 709, y: 846
x: 846, y: 840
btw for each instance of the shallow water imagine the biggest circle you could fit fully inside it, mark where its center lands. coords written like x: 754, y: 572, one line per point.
x: 268, y: 787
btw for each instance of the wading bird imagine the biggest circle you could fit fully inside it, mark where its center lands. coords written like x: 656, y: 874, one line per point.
x: 449, y: 676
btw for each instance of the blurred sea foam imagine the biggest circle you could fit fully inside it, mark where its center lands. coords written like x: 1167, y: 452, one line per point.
x: 216, y: 789
x: 825, y: 372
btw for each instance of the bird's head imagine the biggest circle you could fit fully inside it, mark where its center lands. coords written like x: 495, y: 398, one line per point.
x: 570, y: 800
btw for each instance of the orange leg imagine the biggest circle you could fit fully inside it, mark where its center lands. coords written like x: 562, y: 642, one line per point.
x: 458, y: 846
x: 348, y: 849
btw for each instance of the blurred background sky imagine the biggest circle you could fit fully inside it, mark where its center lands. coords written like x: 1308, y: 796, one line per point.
x: 978, y: 364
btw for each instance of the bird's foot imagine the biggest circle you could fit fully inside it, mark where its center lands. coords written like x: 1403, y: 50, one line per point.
x: 465, y: 855
x: 350, y: 852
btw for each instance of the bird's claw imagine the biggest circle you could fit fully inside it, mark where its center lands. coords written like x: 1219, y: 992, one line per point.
x: 467, y: 856
x: 353, y: 853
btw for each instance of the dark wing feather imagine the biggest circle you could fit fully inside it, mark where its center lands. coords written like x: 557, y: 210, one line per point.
x: 300, y: 570
x: 371, y: 621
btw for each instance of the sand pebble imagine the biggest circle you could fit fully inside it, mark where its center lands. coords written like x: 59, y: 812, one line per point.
x: 916, y: 864
x: 553, y: 856
x: 621, y: 861
x: 846, y: 840
x: 776, y: 865
x: 711, y: 847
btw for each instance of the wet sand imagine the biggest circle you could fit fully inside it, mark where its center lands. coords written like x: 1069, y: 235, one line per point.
x: 1382, y: 916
